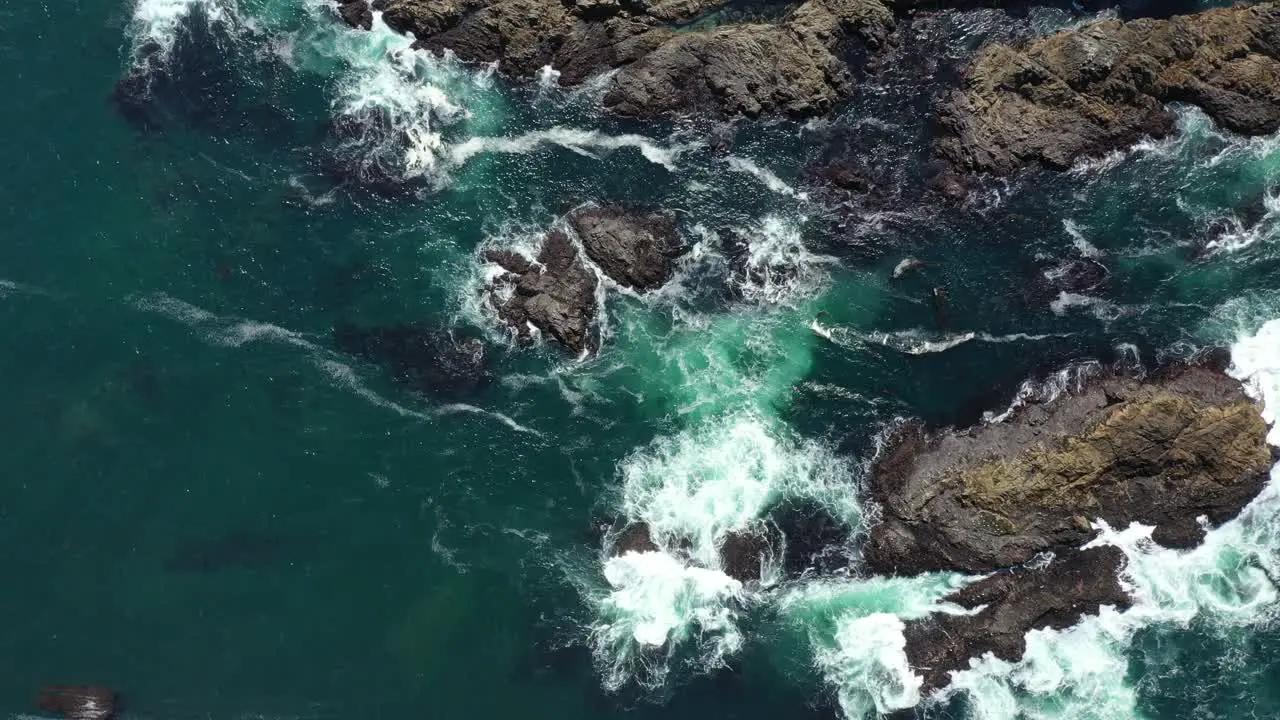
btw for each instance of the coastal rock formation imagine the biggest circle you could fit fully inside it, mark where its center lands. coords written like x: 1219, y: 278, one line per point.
x: 429, y: 361
x: 1086, y: 92
x: 556, y: 294
x: 1163, y: 451
x: 1056, y: 596
x: 79, y: 702
x: 635, y: 249
x: 792, y: 67
x: 744, y: 553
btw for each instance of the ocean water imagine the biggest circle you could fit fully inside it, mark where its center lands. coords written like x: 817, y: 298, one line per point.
x: 209, y: 507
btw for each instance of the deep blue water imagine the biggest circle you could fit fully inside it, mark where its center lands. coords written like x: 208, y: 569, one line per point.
x: 210, y: 508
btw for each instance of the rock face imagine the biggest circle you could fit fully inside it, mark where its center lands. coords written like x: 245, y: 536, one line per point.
x: 791, y: 67
x: 556, y: 294
x: 432, y: 362
x: 743, y: 553
x: 79, y: 702
x: 1090, y: 91
x: 636, y: 249
x: 1017, y: 601
x: 1161, y: 452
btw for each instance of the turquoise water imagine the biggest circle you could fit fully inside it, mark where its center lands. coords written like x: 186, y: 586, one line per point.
x: 210, y: 508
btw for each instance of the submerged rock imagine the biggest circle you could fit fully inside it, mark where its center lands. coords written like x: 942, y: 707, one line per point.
x: 636, y: 249
x: 1056, y: 596
x: 744, y: 553
x: 1084, y: 93
x: 555, y: 295
x: 429, y: 361
x: 792, y: 67
x: 1164, y: 451
x: 814, y: 540
x: 79, y: 702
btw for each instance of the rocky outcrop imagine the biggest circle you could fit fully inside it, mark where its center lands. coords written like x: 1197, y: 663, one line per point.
x: 744, y: 553
x: 556, y: 294
x: 79, y: 702
x: 792, y: 67
x: 1087, y: 92
x: 1162, y: 452
x: 635, y: 249
x: 635, y: 537
x: 429, y: 361
x: 1016, y: 601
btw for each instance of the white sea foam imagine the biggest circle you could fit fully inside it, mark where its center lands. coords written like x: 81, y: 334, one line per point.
x: 1069, y: 379
x: 1241, y: 236
x: 691, y: 489
x: 1104, y: 310
x: 1076, y: 233
x: 775, y: 266
x: 766, y: 176
x: 393, y: 104
x: 584, y: 142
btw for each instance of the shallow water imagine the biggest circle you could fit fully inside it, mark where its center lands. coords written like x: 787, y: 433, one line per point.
x: 213, y: 510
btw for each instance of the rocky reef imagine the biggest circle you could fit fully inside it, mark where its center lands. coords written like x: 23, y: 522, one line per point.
x: 1087, y: 92
x: 1018, y: 499
x: 792, y: 66
x: 1161, y: 452
x: 555, y: 292
x: 1010, y: 603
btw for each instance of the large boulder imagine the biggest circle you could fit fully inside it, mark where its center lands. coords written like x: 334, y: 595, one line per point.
x: 556, y: 294
x: 636, y: 249
x: 791, y: 67
x: 1087, y: 92
x: 1184, y: 443
x: 1014, y: 602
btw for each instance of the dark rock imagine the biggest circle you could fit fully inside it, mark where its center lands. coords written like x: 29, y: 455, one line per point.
x: 238, y: 549
x: 636, y: 249
x: 634, y: 538
x: 744, y: 553
x: 356, y: 13
x: 429, y: 361
x: 1075, y: 584
x: 793, y: 67
x: 79, y: 702
x: 1160, y: 451
x: 557, y: 295
x: 1083, y: 93
x: 845, y: 175
x: 814, y: 540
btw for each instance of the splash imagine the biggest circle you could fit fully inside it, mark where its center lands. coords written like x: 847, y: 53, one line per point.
x: 583, y: 142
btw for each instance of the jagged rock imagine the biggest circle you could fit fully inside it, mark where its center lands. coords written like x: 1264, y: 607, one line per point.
x: 743, y: 553
x: 79, y: 702
x: 636, y: 249
x: 635, y: 537
x: 1086, y: 92
x: 1184, y: 443
x: 792, y: 67
x: 1057, y: 596
x: 556, y: 295
x: 356, y: 13
x: 430, y: 361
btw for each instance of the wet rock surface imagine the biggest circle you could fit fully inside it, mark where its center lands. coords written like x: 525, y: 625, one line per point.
x: 1087, y: 92
x: 791, y: 67
x: 635, y: 248
x: 556, y: 294
x: 1073, y: 585
x: 430, y: 361
x: 635, y: 537
x: 744, y: 553
x: 1163, y: 451
x: 79, y: 702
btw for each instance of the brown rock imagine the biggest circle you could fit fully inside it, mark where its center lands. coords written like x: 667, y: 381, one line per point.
x: 1086, y: 92
x: 635, y: 537
x: 1017, y: 601
x: 636, y: 249
x: 1162, y: 452
x: 557, y: 295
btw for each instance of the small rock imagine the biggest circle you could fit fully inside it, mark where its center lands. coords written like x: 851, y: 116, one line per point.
x: 79, y: 702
